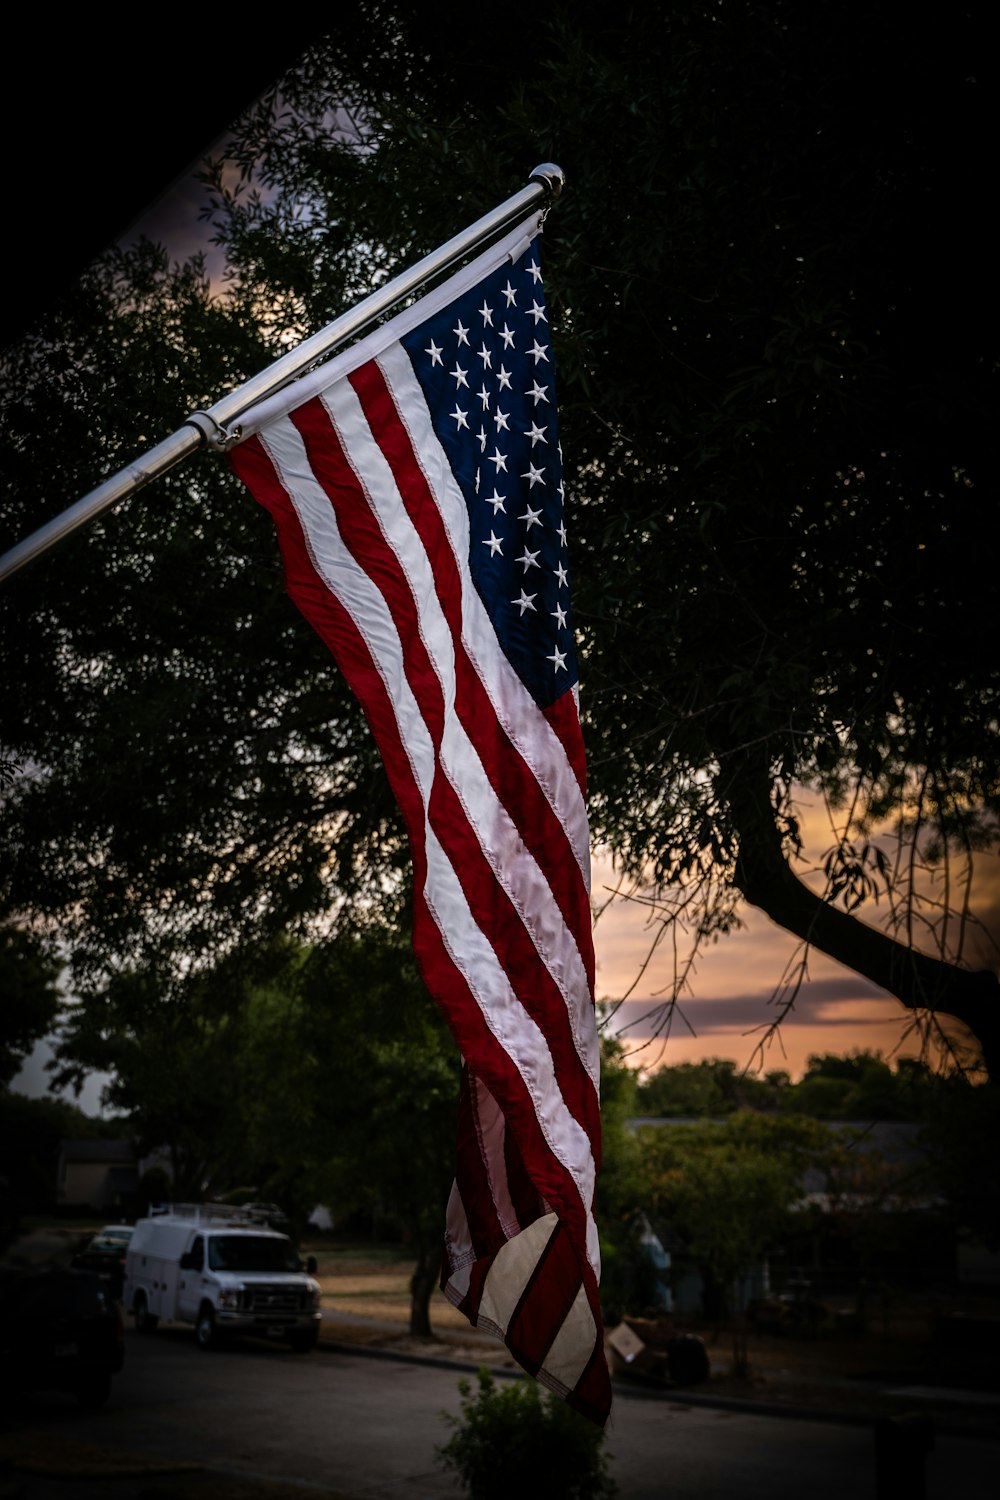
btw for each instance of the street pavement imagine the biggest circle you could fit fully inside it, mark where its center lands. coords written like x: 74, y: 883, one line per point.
x: 352, y: 1425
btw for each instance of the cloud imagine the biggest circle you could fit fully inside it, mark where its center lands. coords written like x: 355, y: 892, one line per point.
x: 821, y: 1003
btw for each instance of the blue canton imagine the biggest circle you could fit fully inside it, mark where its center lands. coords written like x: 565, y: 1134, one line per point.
x: 485, y: 366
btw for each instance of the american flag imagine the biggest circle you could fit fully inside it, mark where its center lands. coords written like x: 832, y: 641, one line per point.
x: 416, y: 486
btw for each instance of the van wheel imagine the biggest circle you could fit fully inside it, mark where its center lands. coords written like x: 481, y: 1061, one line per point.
x: 205, y: 1333
x: 145, y: 1322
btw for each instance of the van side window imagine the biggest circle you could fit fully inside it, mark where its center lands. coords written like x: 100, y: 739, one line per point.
x: 198, y: 1254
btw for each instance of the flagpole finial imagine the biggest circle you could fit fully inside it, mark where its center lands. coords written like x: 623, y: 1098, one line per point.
x: 552, y: 176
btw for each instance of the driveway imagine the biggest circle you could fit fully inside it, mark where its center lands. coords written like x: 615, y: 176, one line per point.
x: 332, y: 1423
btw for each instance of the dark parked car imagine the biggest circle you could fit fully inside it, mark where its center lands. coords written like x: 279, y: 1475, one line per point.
x: 105, y: 1254
x: 60, y: 1329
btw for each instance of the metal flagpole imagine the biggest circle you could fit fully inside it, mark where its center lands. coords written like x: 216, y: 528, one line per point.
x: 211, y: 428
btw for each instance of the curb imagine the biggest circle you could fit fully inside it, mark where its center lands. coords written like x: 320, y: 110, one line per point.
x: 652, y: 1390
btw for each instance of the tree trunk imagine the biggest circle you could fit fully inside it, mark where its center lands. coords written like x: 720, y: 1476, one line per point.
x: 422, y: 1284
x: 919, y: 982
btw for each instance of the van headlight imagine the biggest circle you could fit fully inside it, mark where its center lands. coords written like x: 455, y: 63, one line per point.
x: 315, y: 1296
x: 230, y: 1298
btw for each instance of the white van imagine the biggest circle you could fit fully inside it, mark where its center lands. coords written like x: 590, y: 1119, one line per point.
x: 225, y: 1271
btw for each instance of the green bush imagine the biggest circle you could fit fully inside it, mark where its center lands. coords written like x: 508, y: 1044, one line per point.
x: 512, y: 1435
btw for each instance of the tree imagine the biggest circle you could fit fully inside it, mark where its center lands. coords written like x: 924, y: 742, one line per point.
x: 31, y: 1132
x: 713, y: 1086
x: 767, y: 282
x: 317, y: 1074
x: 171, y: 1051
x: 960, y: 1141
x: 860, y: 1086
x: 725, y: 1191
x: 386, y: 1082
x: 28, y: 986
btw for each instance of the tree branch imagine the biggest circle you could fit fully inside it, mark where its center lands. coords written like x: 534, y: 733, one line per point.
x: 920, y: 982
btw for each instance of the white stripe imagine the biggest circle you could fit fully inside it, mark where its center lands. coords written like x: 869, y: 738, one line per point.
x: 351, y: 585
x: 512, y: 863
x: 518, y: 1035
x: 491, y: 1128
x: 514, y: 706
x: 469, y: 950
x: 573, y: 1345
x: 511, y: 1271
x: 458, y: 1240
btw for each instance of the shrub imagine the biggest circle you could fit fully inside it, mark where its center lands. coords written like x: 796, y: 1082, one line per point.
x: 510, y: 1436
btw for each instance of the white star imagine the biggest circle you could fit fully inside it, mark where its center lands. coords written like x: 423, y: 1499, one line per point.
x: 435, y: 351
x: 539, y: 351
x: 484, y: 397
x: 462, y: 334
x: 486, y: 313
x: 533, y: 476
x: 495, y: 545
x: 536, y: 434
x: 559, y: 659
x: 562, y: 532
x: 510, y: 294
x: 504, y: 378
x: 559, y: 615
x: 528, y: 560
x: 459, y: 416
x: 507, y: 334
x: 536, y: 312
x: 496, y: 500
x: 537, y: 393
x: 562, y: 576
x: 526, y: 601
x: 533, y: 517
x: 534, y: 271
x: 486, y: 357
x: 501, y: 418
x: 458, y: 375
x: 481, y: 435
x: 500, y: 459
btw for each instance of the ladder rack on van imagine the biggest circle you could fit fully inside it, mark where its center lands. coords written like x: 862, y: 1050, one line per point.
x: 213, y: 1213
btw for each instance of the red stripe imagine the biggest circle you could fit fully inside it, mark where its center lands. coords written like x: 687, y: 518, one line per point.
x: 474, y: 1296
x: 523, y: 1193
x: 335, y: 627
x: 485, y: 1229
x: 496, y: 916
x: 564, y: 718
x: 591, y: 1396
x: 513, y: 781
x: 545, y: 1301
x: 447, y: 984
x: 492, y: 908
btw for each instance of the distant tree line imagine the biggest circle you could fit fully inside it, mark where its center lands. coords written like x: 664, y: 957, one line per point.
x: 860, y: 1085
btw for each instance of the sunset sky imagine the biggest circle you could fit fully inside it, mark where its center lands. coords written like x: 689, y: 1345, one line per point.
x: 737, y: 983
x: 733, y: 990
x: 733, y: 995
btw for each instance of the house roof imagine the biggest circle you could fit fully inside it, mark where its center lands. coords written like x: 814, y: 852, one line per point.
x: 98, y: 1151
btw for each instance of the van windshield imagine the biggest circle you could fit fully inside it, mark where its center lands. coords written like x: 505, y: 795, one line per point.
x: 251, y: 1252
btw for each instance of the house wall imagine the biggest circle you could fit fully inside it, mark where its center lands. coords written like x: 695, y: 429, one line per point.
x: 87, y: 1182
